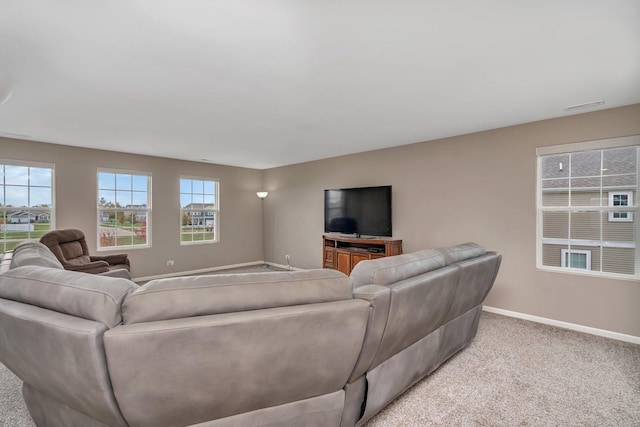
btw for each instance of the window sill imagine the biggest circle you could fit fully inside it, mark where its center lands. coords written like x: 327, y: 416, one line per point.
x: 581, y: 272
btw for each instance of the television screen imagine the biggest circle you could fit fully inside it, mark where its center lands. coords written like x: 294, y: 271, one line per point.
x: 359, y: 211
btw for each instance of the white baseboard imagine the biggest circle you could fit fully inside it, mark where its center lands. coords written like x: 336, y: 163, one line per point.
x: 574, y: 327
x: 284, y: 267
x: 209, y: 270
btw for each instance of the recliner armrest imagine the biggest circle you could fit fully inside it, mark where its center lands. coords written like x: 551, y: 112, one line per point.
x: 92, y: 267
x: 379, y: 297
x: 112, y: 259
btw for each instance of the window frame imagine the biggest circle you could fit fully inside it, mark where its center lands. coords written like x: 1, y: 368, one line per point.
x: 216, y: 210
x: 612, y: 143
x: 148, y: 209
x: 51, y: 210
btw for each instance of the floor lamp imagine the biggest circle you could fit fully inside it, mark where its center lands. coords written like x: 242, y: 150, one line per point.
x: 263, y: 195
x: 6, y: 88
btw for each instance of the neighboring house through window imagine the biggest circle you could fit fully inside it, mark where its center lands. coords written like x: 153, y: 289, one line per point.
x: 26, y: 202
x: 198, y: 210
x: 585, y: 205
x: 618, y: 199
x: 576, y: 259
x: 124, y: 209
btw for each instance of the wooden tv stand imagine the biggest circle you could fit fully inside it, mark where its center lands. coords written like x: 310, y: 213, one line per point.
x: 342, y: 253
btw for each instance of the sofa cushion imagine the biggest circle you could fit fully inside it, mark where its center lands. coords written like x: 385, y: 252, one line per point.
x: 385, y: 271
x: 82, y: 295
x: 34, y: 253
x: 462, y: 252
x: 178, y: 297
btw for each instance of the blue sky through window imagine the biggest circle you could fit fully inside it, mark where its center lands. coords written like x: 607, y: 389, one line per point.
x: 122, y: 189
x: 24, y: 186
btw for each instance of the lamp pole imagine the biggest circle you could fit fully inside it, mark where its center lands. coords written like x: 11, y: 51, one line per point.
x: 263, y: 195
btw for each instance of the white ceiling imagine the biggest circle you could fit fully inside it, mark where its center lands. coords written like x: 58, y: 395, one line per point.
x: 264, y: 83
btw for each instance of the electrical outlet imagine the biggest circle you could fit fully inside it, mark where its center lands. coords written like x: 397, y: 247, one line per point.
x: 170, y: 262
x: 287, y: 257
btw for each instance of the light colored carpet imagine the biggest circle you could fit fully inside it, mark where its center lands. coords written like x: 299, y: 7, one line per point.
x: 515, y: 373
x: 13, y: 412
x: 520, y: 373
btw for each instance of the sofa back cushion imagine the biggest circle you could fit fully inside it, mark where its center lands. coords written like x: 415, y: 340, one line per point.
x: 191, y: 370
x: 453, y: 254
x: 418, y: 307
x: 81, y: 295
x: 179, y: 297
x: 385, y: 271
x: 34, y: 253
x: 477, y: 276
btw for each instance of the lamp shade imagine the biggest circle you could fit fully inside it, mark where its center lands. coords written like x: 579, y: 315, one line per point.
x: 262, y: 194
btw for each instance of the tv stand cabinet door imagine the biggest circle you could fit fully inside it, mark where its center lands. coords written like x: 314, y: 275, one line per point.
x: 357, y: 257
x: 329, y: 256
x: 343, y: 261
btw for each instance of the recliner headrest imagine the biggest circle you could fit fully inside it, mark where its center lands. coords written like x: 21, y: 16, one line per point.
x: 57, y: 237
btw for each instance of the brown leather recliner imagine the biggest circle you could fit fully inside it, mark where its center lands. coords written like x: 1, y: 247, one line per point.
x: 70, y: 247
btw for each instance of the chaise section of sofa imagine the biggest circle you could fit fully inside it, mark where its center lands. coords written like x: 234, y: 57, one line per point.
x: 425, y: 307
x: 478, y: 272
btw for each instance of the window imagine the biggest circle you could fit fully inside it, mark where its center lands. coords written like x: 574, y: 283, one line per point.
x: 124, y: 209
x: 621, y: 199
x: 585, y: 207
x: 26, y: 202
x: 576, y: 259
x: 198, y: 210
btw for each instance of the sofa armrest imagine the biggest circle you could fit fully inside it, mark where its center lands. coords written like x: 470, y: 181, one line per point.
x: 5, y: 261
x: 112, y: 259
x: 379, y: 297
x: 94, y: 267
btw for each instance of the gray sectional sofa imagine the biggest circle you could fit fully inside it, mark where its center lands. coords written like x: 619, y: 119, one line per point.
x: 303, y: 348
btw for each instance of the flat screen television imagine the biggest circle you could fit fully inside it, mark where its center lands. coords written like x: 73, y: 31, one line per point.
x: 364, y: 211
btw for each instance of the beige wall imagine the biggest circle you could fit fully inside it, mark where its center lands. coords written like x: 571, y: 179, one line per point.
x: 479, y: 187
x: 76, y: 174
